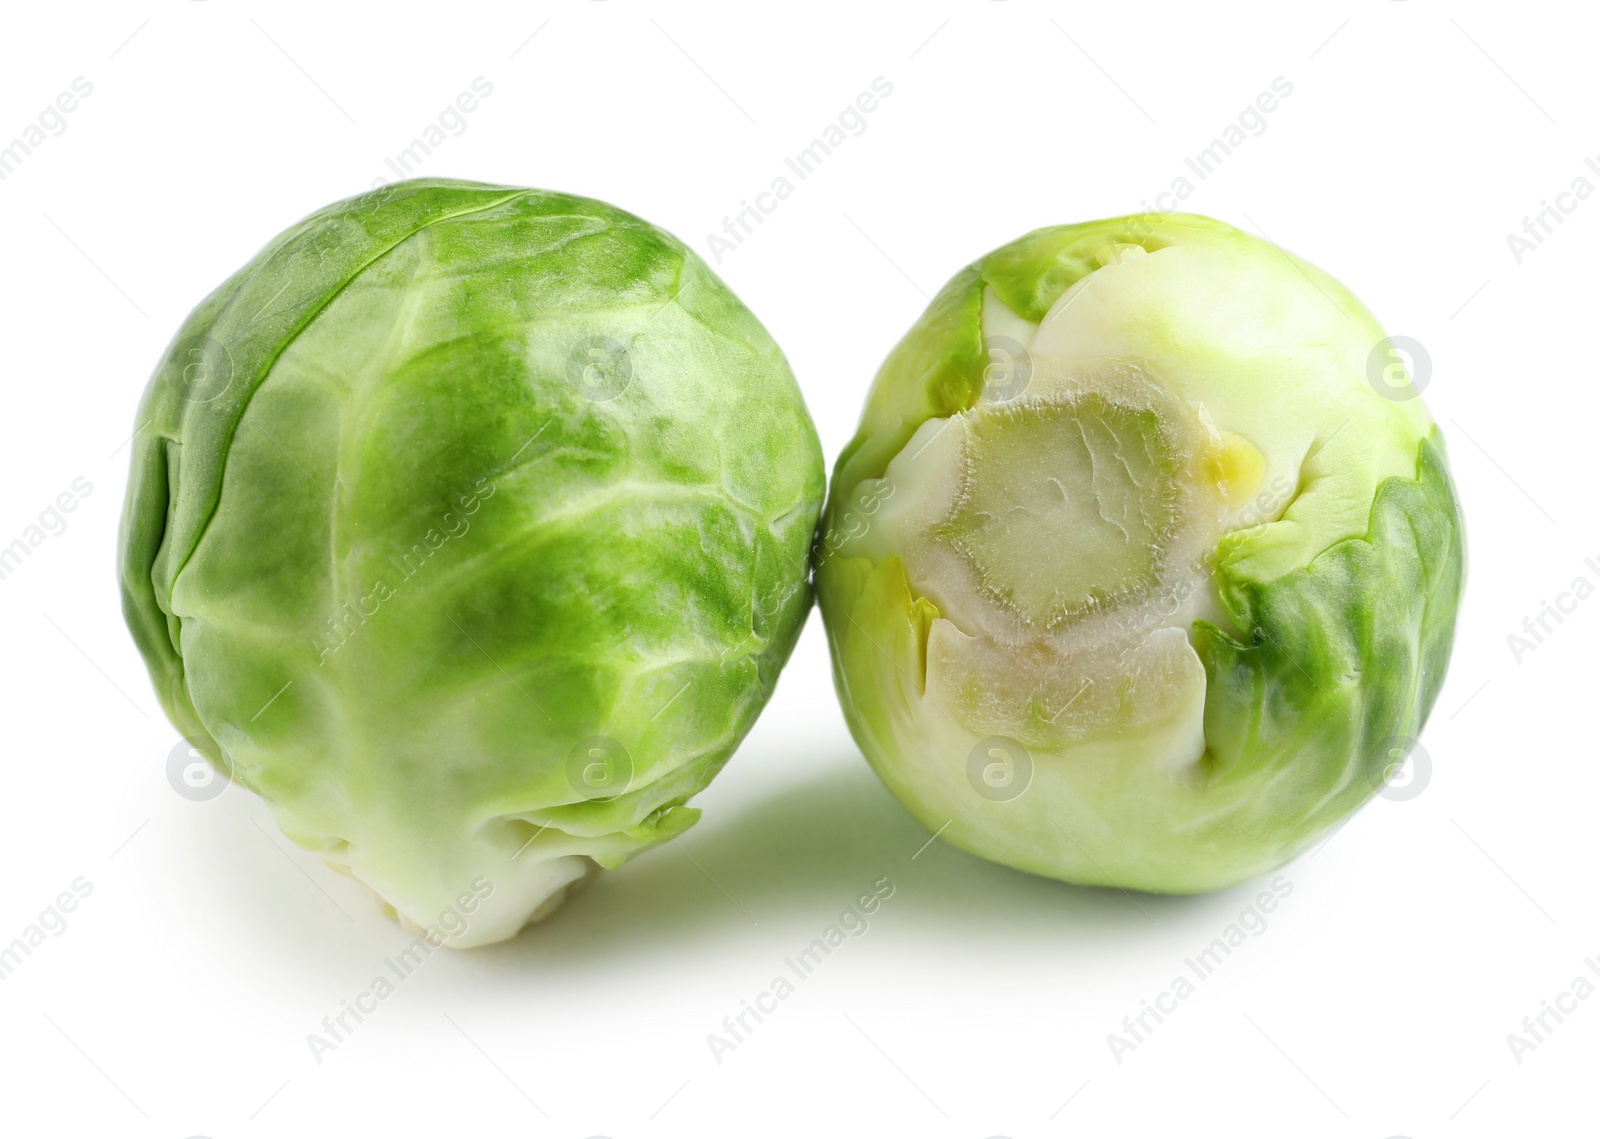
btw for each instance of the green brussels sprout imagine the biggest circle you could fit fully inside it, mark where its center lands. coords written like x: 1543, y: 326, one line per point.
x: 1143, y: 567
x: 468, y: 526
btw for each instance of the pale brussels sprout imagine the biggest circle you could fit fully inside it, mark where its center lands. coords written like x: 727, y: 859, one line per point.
x: 468, y: 525
x: 1143, y: 567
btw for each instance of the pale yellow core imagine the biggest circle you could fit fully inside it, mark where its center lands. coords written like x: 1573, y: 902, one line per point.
x: 1238, y: 469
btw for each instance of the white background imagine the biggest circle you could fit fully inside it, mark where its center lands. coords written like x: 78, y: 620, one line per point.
x: 1377, y: 1002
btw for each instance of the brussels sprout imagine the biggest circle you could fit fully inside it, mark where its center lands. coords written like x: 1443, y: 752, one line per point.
x: 468, y: 526
x: 1143, y: 567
